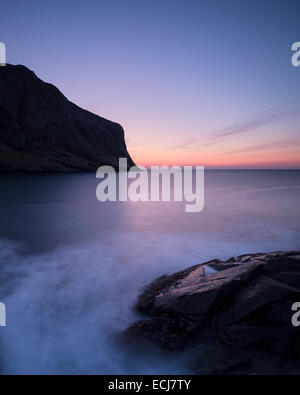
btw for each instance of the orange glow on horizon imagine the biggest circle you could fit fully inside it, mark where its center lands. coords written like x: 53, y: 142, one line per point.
x: 285, y: 158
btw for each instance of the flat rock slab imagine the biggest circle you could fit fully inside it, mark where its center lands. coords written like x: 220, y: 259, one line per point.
x: 245, y: 306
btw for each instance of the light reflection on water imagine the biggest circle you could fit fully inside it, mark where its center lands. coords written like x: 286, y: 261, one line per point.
x: 71, y: 267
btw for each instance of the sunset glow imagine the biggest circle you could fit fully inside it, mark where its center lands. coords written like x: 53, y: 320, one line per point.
x: 190, y: 83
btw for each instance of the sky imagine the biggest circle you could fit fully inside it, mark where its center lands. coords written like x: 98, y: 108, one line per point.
x: 192, y: 82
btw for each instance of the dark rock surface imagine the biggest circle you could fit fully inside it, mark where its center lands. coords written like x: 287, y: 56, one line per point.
x: 237, y: 320
x: 41, y: 130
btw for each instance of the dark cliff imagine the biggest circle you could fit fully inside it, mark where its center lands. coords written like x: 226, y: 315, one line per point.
x: 41, y: 130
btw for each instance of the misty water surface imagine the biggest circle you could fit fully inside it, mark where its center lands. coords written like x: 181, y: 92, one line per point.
x: 71, y: 267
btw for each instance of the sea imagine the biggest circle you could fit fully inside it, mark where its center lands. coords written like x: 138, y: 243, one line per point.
x: 71, y: 267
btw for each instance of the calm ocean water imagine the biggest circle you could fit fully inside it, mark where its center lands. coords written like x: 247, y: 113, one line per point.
x: 71, y: 267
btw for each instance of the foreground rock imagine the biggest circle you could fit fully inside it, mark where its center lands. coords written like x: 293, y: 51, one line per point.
x: 40, y: 129
x: 236, y: 320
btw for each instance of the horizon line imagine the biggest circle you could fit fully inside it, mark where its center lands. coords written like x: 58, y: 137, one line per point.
x: 227, y: 168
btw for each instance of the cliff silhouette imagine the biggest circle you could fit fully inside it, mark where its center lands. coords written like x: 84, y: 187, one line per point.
x: 41, y: 130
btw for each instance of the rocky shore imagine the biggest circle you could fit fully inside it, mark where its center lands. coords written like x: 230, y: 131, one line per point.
x: 235, y: 318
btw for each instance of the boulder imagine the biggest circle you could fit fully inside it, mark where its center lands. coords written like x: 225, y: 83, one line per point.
x: 242, y: 312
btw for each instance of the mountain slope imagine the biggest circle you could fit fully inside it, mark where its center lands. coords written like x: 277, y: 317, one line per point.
x: 40, y: 129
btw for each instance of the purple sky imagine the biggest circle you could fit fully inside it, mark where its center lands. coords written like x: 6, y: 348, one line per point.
x: 191, y: 81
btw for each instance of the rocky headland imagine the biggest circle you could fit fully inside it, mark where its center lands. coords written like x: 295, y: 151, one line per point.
x: 235, y: 318
x: 41, y: 130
